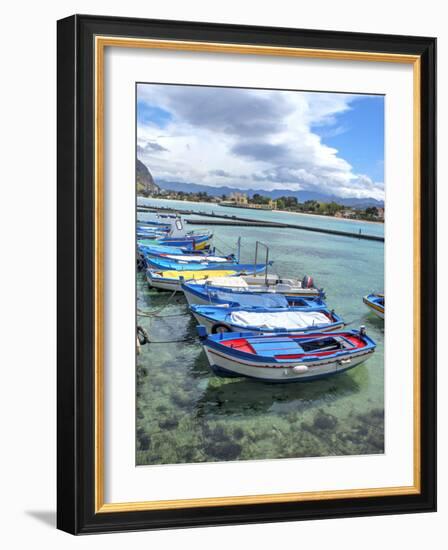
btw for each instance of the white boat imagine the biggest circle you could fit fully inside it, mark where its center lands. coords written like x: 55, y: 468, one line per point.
x: 197, y: 292
x: 172, y: 280
x: 254, y: 283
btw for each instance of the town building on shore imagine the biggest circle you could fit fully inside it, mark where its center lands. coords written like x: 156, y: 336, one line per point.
x: 240, y: 200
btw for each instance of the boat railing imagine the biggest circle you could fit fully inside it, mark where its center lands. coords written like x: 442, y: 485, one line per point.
x: 257, y: 245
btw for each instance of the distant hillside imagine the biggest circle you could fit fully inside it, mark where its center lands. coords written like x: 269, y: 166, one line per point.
x: 301, y: 196
x: 145, y: 182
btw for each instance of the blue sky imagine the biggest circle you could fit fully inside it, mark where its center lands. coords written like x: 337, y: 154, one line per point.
x: 359, y: 135
x: 150, y: 114
x: 263, y: 139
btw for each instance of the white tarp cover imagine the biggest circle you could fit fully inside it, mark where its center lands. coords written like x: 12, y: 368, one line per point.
x: 195, y: 258
x: 237, y: 282
x: 279, y: 319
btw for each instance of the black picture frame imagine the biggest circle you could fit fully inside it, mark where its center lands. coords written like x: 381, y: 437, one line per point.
x: 76, y: 262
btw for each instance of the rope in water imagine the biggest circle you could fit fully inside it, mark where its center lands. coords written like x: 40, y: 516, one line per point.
x: 190, y: 339
x: 154, y: 313
x: 355, y: 321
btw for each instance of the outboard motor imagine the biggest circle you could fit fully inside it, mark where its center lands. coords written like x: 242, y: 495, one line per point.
x: 307, y: 282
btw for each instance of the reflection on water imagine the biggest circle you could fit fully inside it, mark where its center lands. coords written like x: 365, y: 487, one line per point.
x: 186, y: 414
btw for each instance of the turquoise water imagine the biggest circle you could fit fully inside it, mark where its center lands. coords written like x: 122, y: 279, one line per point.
x: 268, y: 215
x: 186, y: 414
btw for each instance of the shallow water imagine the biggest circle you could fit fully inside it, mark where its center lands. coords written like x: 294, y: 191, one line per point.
x: 186, y: 414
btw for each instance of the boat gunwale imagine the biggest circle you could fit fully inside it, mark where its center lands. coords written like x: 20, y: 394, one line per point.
x: 232, y: 353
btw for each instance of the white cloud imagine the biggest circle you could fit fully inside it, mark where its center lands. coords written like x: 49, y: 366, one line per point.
x: 248, y: 139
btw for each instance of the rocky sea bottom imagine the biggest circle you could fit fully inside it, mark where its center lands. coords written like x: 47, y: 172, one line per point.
x: 186, y: 414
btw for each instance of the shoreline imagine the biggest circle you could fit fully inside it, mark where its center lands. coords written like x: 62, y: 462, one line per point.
x: 328, y: 217
x: 274, y: 210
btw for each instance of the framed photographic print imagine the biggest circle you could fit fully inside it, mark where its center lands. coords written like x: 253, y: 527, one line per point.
x: 234, y: 205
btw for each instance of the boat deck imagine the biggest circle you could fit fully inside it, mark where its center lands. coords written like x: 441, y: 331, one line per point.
x: 294, y: 347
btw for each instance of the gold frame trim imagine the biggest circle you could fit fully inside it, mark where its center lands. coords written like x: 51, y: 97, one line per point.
x: 101, y: 42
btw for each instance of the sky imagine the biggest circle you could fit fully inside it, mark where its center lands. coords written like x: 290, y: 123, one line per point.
x: 245, y: 138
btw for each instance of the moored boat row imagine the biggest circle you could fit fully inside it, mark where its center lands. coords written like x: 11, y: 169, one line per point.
x: 251, y: 323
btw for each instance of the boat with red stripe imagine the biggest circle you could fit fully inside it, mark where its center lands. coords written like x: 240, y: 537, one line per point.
x: 286, y: 357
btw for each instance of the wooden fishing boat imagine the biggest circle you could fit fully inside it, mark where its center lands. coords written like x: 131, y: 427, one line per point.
x: 187, y: 265
x: 286, y: 357
x: 154, y: 234
x: 190, y: 241
x: 172, y: 280
x: 267, y: 282
x: 198, y: 292
x: 208, y: 295
x: 198, y: 241
x: 147, y: 246
x: 150, y: 223
x: 375, y: 302
x: 221, y: 318
x: 189, y: 257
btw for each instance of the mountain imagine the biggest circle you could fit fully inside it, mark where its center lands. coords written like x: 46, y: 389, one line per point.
x: 301, y: 196
x: 145, y: 182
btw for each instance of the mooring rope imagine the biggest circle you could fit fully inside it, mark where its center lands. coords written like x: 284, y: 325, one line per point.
x: 222, y: 252
x: 190, y: 339
x: 158, y: 310
x: 354, y: 321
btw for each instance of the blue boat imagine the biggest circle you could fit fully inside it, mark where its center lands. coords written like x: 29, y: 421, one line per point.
x: 203, y: 294
x: 153, y: 245
x: 196, y: 293
x: 189, y: 256
x: 163, y: 249
x: 161, y: 264
x: 375, y: 302
x: 266, y: 319
x: 155, y: 234
x: 197, y: 241
x: 286, y: 357
x: 152, y: 228
x: 149, y: 223
x: 172, y: 280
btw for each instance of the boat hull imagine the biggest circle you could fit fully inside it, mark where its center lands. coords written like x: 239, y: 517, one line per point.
x: 195, y: 297
x: 195, y: 243
x: 377, y: 309
x: 164, y: 284
x: 225, y: 366
x: 161, y: 264
x: 175, y: 283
